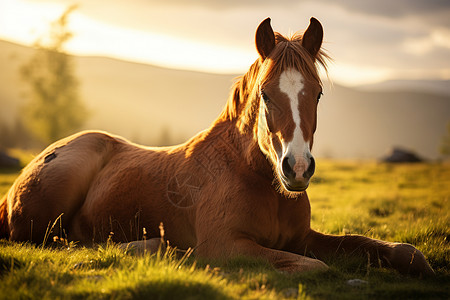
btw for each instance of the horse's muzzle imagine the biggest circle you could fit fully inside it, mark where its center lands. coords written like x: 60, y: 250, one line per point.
x: 294, y: 186
x: 289, y: 177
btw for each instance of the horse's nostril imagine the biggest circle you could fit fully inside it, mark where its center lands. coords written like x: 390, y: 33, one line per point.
x: 311, y: 168
x: 287, y: 168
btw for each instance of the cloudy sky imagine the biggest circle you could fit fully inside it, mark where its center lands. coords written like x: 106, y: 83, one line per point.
x: 369, y: 41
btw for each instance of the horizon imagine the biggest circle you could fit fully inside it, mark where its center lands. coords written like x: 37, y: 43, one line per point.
x: 385, y: 46
x: 429, y: 86
x: 413, y: 115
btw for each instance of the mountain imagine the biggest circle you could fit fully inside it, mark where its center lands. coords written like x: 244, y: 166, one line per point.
x: 438, y: 87
x: 362, y: 124
x: 138, y: 101
x: 154, y: 105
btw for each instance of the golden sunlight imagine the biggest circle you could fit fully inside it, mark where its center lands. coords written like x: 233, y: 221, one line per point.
x: 95, y: 38
x: 153, y: 48
x: 34, y: 19
x: 353, y: 75
x: 206, y: 37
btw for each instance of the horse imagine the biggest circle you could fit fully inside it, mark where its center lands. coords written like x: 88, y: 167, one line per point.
x: 237, y: 188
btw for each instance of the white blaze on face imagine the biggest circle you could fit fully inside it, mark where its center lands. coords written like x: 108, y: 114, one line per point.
x: 291, y: 83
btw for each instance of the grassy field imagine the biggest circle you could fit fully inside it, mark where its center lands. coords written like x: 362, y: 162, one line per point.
x: 403, y: 203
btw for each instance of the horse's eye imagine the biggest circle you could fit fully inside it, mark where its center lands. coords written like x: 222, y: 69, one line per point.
x: 318, y: 96
x: 265, y: 97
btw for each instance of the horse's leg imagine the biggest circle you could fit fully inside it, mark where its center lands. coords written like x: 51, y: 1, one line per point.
x: 54, y: 185
x: 281, y: 260
x: 403, y: 257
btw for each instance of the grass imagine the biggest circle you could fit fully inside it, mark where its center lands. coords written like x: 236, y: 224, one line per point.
x: 403, y: 203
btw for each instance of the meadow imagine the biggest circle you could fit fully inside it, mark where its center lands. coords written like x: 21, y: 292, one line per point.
x: 402, y: 203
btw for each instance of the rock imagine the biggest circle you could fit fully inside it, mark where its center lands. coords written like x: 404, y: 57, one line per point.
x: 290, y: 293
x: 7, y: 161
x: 399, y: 155
x: 356, y: 282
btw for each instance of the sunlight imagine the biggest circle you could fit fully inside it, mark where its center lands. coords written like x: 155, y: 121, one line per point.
x: 24, y: 21
x: 153, y: 48
x: 352, y: 75
x: 92, y: 37
x: 34, y: 20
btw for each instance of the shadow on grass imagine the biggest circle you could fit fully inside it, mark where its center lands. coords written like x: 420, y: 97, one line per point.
x: 10, y: 170
x: 148, y: 289
x: 8, y: 263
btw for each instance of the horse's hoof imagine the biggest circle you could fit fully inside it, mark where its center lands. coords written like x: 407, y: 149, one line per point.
x: 305, y: 265
x: 410, y: 261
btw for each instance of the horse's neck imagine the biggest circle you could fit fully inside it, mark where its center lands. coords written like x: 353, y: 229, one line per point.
x: 230, y: 144
x: 233, y: 133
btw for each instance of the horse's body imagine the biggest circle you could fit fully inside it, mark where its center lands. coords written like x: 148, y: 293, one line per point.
x: 234, y: 189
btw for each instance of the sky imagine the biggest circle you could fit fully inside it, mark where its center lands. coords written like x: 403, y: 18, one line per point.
x: 369, y: 41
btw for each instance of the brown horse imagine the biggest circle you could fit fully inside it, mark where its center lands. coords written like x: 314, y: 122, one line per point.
x: 237, y: 188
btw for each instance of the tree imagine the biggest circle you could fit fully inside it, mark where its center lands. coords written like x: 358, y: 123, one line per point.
x: 55, y: 109
x: 165, y: 137
x: 445, y: 143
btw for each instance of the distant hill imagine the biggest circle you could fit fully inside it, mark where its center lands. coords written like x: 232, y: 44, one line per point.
x: 138, y: 101
x: 368, y: 124
x: 154, y: 105
x: 437, y: 87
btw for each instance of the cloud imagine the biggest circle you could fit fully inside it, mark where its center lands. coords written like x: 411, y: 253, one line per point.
x: 423, y: 45
x: 393, y: 9
x: 396, y: 35
x: 229, y: 4
x: 381, y: 7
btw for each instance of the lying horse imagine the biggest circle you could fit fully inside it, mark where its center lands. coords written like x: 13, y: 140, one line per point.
x: 237, y: 188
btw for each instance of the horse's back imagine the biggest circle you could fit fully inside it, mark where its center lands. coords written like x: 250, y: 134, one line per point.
x: 56, y: 182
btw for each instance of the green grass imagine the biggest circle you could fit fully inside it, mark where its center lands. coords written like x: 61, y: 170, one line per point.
x: 403, y: 203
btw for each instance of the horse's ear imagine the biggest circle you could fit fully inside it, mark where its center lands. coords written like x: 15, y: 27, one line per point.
x: 265, y: 39
x: 312, y: 38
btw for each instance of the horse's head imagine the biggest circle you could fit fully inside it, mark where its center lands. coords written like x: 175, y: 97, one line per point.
x: 289, y: 91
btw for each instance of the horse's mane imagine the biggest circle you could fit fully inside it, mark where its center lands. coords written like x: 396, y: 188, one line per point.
x: 288, y: 53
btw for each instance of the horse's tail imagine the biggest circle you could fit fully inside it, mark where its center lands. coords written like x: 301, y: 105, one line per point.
x: 4, y: 227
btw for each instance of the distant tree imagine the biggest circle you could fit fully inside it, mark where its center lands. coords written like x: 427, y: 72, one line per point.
x: 445, y: 143
x: 5, y: 136
x: 15, y: 135
x: 165, y: 137
x: 54, y: 109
